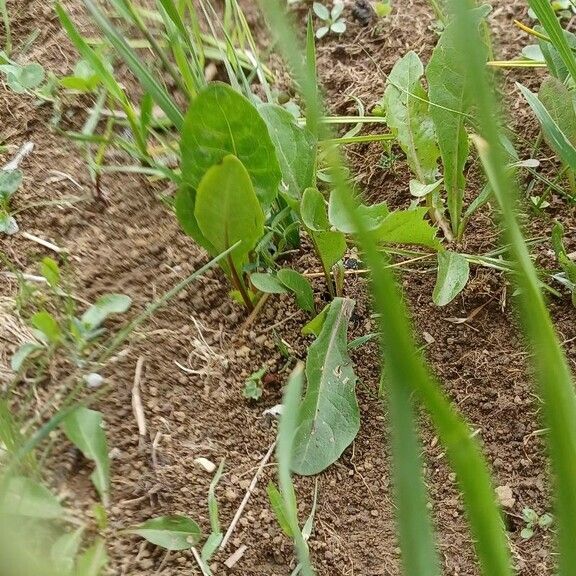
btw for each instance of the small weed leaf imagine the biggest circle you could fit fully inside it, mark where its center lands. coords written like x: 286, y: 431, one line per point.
x: 331, y: 246
x: 10, y: 181
x: 83, y: 427
x: 338, y: 27
x: 26, y: 497
x: 49, y: 270
x: 321, y: 11
x: 46, y: 324
x: 313, y: 210
x: 22, y: 354
x: 64, y: 551
x: 314, y: 327
x: 169, y: 532
x: 105, y: 306
x: 8, y: 224
x: 329, y: 418
x: 267, y: 283
x: 408, y: 227
x: 277, y: 503
x: 220, y: 122
x: 373, y: 215
x: 453, y: 273
x: 299, y: 286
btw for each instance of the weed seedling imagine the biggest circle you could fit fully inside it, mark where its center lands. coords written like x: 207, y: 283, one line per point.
x: 534, y: 521
x: 10, y: 181
x: 253, y: 387
x: 331, y: 19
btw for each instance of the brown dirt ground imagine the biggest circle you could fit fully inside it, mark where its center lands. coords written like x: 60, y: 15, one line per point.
x: 133, y: 245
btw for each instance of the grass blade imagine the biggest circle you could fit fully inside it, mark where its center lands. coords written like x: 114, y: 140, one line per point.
x: 552, y: 373
x: 141, y: 71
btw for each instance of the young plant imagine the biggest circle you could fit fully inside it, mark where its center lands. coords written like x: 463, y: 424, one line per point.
x: 533, y: 521
x: 253, y: 387
x: 10, y: 182
x: 568, y: 266
x: 332, y: 20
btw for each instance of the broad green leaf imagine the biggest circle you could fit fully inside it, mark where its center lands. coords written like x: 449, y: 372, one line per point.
x: 184, y: 205
x: 221, y: 122
x: 104, y: 307
x: 64, y: 551
x: 329, y: 417
x: 227, y: 210
x: 295, y: 149
x: 313, y: 210
x: 25, y: 497
x: 300, y: 286
x: 554, y: 62
x: 93, y: 561
x: 555, y: 137
x: 331, y: 246
x: 169, y: 532
x: 83, y: 427
x: 267, y: 283
x: 8, y: 224
x: 277, y: 503
x: 321, y: 11
x: 49, y: 269
x: 30, y: 76
x: 407, y: 112
x: 338, y: 27
x: 45, y: 322
x: 453, y: 273
x: 314, y: 327
x: 22, y: 354
x: 10, y: 181
x: 408, y: 227
x: 450, y: 102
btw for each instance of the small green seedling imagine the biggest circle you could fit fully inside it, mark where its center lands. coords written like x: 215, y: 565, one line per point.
x: 331, y: 18
x: 253, y: 387
x: 568, y: 278
x: 21, y: 78
x: 534, y: 521
x: 10, y: 182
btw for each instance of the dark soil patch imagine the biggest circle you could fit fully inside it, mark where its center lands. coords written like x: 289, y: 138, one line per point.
x: 197, y: 359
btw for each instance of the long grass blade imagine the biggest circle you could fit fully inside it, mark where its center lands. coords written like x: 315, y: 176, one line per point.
x: 552, y: 373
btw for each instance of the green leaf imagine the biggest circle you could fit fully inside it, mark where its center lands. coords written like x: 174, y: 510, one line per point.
x: 338, y: 27
x: 313, y: 210
x: 277, y: 504
x: 25, y: 497
x: 451, y: 100
x: 555, y: 137
x: 22, y: 354
x: 10, y: 181
x: 45, y: 322
x: 300, y: 286
x: 453, y: 273
x: 321, y: 11
x: 527, y: 533
x: 559, y: 101
x: 295, y: 149
x: 329, y: 417
x: 8, y: 224
x: 419, y: 190
x: 221, y: 122
x: 50, y: 270
x: 83, y: 427
x: 408, y: 227
x: 314, y: 327
x: 169, y: 532
x: 93, y: 560
x: 407, y: 112
x: 227, y: 210
x: 30, y: 76
x: 331, y: 246
x: 372, y: 215
x: 557, y: 240
x: 104, y: 307
x: 64, y: 551
x: 267, y: 283
x: 184, y: 205
x: 545, y: 520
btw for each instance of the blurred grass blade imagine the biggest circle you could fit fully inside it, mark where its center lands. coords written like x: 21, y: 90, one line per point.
x: 139, y: 68
x: 548, y: 18
x: 552, y: 373
x: 286, y: 433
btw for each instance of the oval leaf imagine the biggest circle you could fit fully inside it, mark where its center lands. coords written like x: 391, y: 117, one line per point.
x: 313, y: 210
x: 104, y: 307
x: 169, y: 532
x: 267, y: 283
x: 453, y: 273
x: 219, y: 122
x: 227, y: 210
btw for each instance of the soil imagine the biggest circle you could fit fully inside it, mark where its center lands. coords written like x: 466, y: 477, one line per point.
x: 197, y: 355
